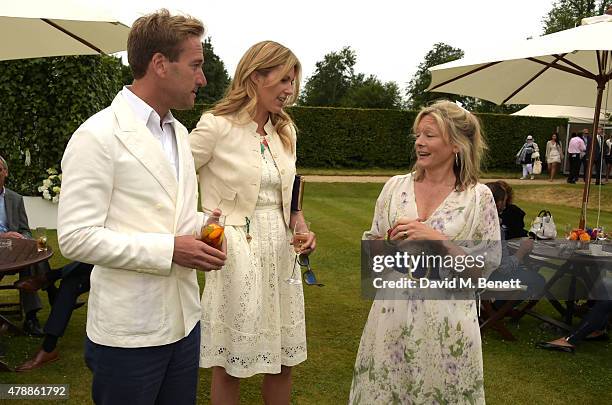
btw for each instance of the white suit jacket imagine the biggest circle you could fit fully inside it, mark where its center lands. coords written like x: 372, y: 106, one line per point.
x: 120, y: 208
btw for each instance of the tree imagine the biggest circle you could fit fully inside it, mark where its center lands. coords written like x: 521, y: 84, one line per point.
x: 370, y: 92
x: 331, y: 80
x: 216, y: 76
x: 214, y: 69
x: 567, y: 14
x: 417, y: 96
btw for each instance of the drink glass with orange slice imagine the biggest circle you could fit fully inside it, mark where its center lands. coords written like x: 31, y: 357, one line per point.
x: 213, y: 230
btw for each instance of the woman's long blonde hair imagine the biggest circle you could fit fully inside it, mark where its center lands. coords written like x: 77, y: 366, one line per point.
x: 462, y: 129
x: 263, y: 57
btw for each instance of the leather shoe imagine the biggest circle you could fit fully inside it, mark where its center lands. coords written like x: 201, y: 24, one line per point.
x: 552, y: 346
x: 40, y: 359
x: 32, y: 284
x: 32, y: 327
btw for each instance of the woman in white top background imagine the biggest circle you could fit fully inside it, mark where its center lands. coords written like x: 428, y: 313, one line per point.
x: 554, y: 155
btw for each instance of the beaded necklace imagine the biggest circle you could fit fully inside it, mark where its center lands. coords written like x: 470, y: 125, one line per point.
x: 264, y: 144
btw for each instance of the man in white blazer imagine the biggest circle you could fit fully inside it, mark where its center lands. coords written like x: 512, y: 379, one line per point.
x: 128, y: 206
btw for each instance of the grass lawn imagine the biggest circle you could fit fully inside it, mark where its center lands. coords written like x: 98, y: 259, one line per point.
x: 515, y: 372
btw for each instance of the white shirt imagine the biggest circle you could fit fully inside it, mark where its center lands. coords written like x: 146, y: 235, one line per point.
x: 164, y: 133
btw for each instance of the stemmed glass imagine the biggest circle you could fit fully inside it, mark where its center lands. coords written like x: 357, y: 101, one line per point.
x: 301, y: 232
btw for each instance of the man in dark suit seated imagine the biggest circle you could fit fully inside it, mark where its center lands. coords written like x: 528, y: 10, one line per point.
x: 75, y: 281
x: 14, y: 224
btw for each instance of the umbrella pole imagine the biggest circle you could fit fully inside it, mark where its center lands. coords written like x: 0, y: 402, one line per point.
x: 601, y: 84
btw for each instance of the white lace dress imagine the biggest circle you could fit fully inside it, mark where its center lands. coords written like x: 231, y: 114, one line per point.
x: 252, y: 320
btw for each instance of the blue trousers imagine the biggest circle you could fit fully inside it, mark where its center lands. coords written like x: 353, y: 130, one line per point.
x: 145, y: 375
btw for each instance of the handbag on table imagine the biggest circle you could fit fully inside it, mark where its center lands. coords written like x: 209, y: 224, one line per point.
x: 543, y: 226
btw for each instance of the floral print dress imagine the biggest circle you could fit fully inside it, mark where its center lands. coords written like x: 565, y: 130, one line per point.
x: 416, y: 351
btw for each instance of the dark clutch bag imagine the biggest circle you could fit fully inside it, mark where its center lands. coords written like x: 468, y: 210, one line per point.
x: 298, y: 193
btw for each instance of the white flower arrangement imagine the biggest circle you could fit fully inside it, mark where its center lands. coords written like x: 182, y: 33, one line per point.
x: 51, y: 186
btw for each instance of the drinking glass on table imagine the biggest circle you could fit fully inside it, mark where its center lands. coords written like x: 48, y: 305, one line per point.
x: 40, y: 235
x: 601, y: 235
x: 213, y: 230
x: 301, y: 232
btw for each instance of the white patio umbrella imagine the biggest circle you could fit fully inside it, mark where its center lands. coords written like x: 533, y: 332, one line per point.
x: 571, y: 67
x: 40, y: 28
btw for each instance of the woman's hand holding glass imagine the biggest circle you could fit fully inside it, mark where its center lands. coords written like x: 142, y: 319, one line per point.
x: 414, y: 229
x: 304, y: 241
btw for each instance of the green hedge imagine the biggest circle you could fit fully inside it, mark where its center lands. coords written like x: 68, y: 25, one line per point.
x: 361, y: 138
x: 42, y: 102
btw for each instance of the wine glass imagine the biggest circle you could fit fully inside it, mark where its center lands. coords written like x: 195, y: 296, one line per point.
x: 301, y: 232
x: 213, y: 230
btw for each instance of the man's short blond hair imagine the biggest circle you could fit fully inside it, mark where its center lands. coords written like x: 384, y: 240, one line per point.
x: 159, y: 32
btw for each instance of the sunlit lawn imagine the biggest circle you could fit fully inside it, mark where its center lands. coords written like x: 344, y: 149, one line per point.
x: 515, y: 372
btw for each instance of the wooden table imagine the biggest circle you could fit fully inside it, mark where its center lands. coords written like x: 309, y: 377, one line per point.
x: 19, y: 254
x: 570, y: 261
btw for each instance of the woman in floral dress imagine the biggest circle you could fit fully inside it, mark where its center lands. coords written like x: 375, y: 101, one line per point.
x: 244, y: 151
x: 416, y: 351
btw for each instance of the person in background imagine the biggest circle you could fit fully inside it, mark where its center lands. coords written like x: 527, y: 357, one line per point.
x: 525, y: 156
x: 584, y: 157
x: 512, y: 217
x: 608, y: 156
x: 75, y: 281
x: 598, y: 153
x: 554, y: 155
x: 592, y: 328
x: 511, y: 265
x: 14, y: 224
x: 575, y: 151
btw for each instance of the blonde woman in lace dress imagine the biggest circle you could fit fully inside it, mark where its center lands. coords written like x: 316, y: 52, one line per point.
x: 416, y: 351
x: 245, y: 152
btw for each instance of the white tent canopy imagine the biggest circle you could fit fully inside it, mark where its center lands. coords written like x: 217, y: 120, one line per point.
x: 575, y: 115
